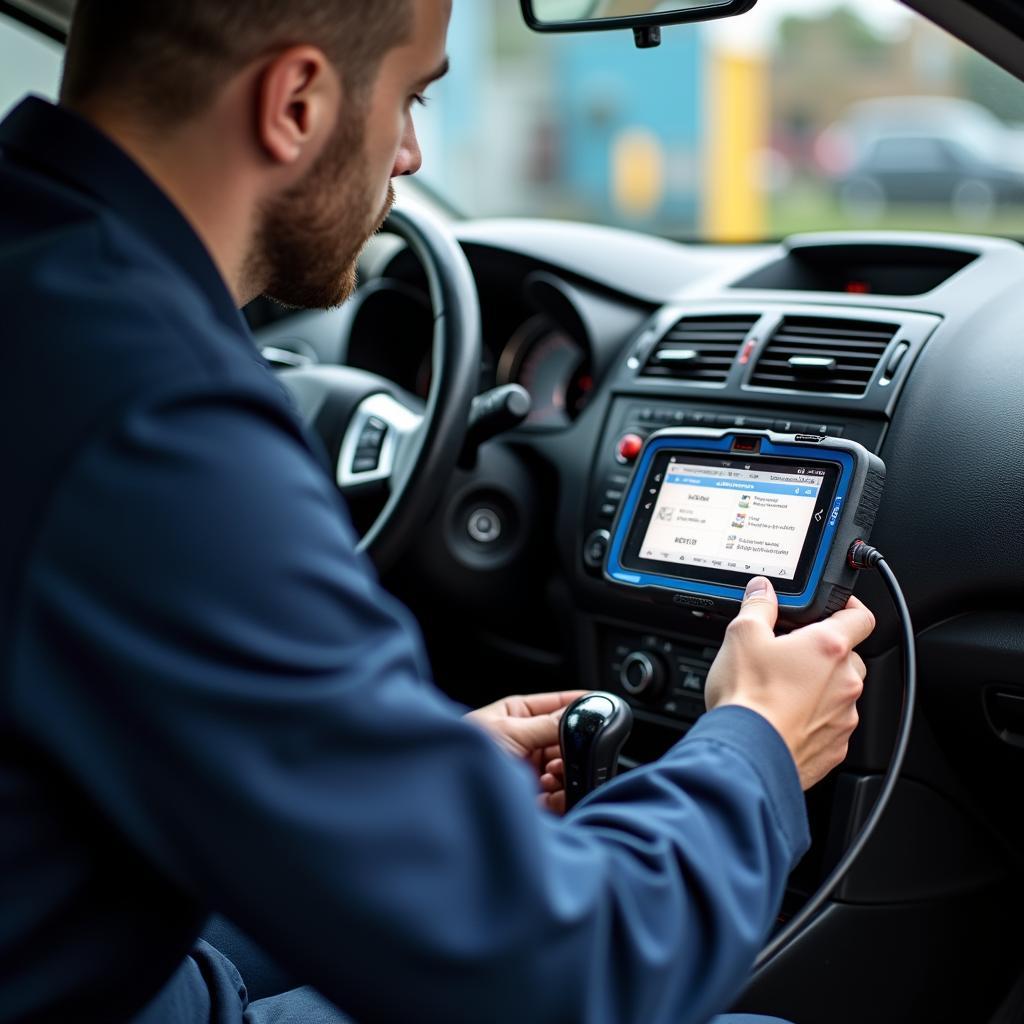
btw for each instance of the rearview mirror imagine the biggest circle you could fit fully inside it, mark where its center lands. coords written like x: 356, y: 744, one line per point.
x: 644, y: 17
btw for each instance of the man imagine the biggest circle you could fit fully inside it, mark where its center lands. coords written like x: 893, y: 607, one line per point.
x: 208, y: 702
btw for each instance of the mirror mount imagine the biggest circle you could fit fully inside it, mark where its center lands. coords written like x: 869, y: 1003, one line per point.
x: 647, y: 37
x: 646, y: 28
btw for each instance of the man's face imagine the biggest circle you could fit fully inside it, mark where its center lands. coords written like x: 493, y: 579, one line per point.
x: 311, y: 237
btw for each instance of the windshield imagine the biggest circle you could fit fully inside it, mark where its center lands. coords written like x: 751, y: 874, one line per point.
x: 801, y: 115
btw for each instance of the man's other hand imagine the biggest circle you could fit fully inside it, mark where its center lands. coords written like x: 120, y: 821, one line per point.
x: 806, y: 683
x: 528, y: 727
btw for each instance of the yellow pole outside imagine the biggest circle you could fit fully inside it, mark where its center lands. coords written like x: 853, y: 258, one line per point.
x: 638, y: 173
x: 735, y: 209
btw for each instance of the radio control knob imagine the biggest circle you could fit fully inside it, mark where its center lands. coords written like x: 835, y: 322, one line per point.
x: 642, y: 675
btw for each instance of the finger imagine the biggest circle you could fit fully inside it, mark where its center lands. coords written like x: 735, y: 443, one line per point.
x: 854, y: 622
x: 858, y: 666
x: 760, y: 603
x: 552, y: 753
x: 547, y: 703
x: 532, y: 734
x: 550, y: 784
x: 555, y: 767
x: 555, y: 802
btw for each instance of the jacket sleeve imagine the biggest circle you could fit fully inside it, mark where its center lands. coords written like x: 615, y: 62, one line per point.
x: 201, y: 646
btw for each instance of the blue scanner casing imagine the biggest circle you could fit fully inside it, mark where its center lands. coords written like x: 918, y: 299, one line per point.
x: 830, y: 581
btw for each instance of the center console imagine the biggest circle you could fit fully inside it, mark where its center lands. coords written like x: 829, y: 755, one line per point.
x: 791, y: 368
x: 631, y: 422
x: 660, y: 675
x: 662, y: 672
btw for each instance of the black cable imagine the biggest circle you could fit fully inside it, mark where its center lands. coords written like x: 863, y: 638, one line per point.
x: 863, y: 556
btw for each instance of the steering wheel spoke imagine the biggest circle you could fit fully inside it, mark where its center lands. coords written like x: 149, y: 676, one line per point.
x: 380, y: 437
x: 378, y: 443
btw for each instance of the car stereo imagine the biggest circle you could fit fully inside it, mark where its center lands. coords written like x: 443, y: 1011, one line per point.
x: 706, y: 511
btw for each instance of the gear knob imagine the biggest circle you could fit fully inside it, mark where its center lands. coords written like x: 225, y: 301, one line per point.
x: 592, y: 732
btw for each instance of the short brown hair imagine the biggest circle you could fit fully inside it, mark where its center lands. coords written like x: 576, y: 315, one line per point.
x: 170, y: 57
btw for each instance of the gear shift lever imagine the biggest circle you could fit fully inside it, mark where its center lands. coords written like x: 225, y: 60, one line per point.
x: 592, y: 732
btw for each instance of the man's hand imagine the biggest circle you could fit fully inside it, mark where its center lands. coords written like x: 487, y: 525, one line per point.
x: 528, y: 727
x: 806, y: 684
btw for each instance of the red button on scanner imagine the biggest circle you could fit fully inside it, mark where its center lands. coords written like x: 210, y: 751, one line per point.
x: 630, y: 447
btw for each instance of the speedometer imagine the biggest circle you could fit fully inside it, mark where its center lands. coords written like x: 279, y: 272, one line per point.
x: 552, y: 366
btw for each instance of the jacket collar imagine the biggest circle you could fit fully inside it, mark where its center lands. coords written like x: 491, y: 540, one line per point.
x: 61, y: 144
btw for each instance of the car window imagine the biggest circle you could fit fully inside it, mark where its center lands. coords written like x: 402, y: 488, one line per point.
x: 28, y: 63
x: 750, y: 128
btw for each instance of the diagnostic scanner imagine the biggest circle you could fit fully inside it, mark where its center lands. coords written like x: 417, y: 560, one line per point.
x: 708, y: 510
x: 591, y: 734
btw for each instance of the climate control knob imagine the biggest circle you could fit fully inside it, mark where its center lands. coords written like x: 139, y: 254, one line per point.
x: 642, y: 675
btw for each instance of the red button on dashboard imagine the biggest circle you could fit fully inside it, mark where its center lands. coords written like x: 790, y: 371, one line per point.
x: 630, y: 447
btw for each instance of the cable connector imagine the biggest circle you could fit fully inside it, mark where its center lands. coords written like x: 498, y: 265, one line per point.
x: 863, y: 556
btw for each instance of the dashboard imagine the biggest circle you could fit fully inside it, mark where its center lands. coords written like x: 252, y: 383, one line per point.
x: 390, y: 334
x: 554, y: 368
x: 907, y: 343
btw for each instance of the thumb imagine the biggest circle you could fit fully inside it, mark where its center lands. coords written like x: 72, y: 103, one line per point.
x: 760, y: 602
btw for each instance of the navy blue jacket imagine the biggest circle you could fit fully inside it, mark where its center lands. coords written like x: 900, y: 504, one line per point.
x: 209, y: 703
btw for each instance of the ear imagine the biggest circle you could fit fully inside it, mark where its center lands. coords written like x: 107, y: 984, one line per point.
x: 298, y: 100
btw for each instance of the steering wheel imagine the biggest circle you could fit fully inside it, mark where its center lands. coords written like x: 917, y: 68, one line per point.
x: 377, y: 434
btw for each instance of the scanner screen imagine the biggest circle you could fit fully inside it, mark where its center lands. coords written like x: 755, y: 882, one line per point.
x: 747, y: 520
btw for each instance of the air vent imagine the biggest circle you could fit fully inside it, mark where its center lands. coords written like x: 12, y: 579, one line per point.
x: 700, y: 350
x: 823, y: 355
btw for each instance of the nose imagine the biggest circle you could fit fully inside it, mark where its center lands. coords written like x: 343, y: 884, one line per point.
x: 410, y: 158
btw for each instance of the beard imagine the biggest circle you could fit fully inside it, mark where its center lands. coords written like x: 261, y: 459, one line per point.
x: 310, y: 238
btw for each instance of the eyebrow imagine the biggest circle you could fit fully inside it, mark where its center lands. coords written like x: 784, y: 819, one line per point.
x: 441, y: 70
